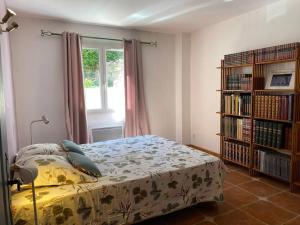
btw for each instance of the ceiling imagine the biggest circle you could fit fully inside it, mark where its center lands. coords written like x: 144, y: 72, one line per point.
x: 154, y: 15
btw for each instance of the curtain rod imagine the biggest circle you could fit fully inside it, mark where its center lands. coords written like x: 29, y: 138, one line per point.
x: 49, y: 33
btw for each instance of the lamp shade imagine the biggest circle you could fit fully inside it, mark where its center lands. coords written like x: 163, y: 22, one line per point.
x: 9, y: 13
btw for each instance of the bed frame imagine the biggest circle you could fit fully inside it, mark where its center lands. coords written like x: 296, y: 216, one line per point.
x: 5, y: 214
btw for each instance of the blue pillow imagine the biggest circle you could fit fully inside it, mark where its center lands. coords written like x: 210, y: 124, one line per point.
x: 84, y: 164
x: 70, y: 146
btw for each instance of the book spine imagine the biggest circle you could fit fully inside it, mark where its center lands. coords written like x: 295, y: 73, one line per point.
x: 269, y: 107
x: 273, y: 109
x: 276, y: 106
x: 290, y: 107
x: 262, y: 107
x: 266, y: 105
x: 280, y: 133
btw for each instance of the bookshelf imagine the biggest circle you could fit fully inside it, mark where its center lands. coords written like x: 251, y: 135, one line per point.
x: 260, y: 123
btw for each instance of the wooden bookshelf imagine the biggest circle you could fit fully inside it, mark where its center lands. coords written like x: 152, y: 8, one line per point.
x: 278, y: 113
x: 280, y: 150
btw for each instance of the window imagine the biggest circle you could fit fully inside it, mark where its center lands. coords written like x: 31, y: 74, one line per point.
x: 103, y: 70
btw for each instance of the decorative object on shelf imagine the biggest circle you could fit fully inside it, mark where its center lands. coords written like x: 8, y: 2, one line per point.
x: 25, y: 175
x: 43, y: 119
x: 280, y: 80
x: 5, y: 21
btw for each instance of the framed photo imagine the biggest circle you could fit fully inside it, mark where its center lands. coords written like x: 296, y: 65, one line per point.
x: 281, y: 80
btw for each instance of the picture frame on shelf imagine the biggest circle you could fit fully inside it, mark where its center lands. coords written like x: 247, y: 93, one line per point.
x: 280, y: 80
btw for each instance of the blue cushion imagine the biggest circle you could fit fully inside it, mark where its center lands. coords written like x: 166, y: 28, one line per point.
x: 84, y: 164
x: 70, y: 146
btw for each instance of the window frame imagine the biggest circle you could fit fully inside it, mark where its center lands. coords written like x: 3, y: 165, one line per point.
x: 102, y: 74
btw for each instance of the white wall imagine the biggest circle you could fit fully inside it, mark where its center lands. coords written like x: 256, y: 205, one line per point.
x: 182, y: 87
x: 38, y: 77
x: 11, y: 133
x: 274, y: 24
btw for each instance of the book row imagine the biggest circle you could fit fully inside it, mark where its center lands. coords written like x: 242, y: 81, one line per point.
x: 274, y: 107
x: 237, y: 104
x: 239, y: 82
x: 236, y: 152
x: 240, y: 58
x: 237, y: 128
x: 272, y: 134
x: 274, y: 164
x: 280, y: 52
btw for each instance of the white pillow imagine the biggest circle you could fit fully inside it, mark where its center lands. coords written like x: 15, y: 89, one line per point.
x: 41, y: 149
x: 54, y: 170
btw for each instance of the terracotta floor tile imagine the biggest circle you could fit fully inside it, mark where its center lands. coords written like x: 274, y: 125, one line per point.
x: 206, y: 223
x: 295, y: 221
x: 236, y: 178
x: 274, y: 182
x: 236, y: 217
x: 287, y: 200
x: 269, y: 213
x: 260, y: 189
x: 214, y: 209
x: 189, y: 216
x: 238, y: 197
x: 227, y: 185
x: 154, y: 221
x: 238, y: 168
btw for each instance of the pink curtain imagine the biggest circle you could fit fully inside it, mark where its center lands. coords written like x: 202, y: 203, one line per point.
x: 75, y: 113
x: 136, y: 119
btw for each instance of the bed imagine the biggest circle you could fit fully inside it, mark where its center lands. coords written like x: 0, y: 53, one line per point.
x: 143, y: 177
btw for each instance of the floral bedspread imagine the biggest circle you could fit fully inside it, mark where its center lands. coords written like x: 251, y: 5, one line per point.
x: 143, y: 177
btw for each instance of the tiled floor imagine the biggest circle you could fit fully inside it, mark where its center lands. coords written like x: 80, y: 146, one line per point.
x: 248, y: 201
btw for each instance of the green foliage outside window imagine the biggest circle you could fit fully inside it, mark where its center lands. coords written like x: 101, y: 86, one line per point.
x: 90, y: 58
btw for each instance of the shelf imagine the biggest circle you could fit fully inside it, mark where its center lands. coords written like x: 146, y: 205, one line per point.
x: 275, y: 120
x: 279, y: 150
x: 234, y: 115
x: 238, y: 163
x: 236, y: 66
x: 297, y: 183
x: 277, y: 90
x: 234, y: 139
x: 279, y: 178
x: 276, y: 61
x: 239, y: 91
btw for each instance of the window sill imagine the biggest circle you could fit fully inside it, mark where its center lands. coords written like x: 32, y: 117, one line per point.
x: 110, y: 125
x: 100, y: 111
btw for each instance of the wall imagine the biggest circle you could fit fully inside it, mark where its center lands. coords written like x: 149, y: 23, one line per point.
x: 274, y: 24
x: 182, y: 87
x: 11, y: 133
x: 38, y: 77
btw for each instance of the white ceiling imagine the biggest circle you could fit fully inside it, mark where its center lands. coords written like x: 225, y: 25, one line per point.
x: 154, y: 15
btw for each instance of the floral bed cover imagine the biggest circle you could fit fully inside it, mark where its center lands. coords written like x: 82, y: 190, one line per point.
x: 143, y: 177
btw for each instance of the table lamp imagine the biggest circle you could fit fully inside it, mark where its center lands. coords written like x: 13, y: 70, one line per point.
x: 43, y: 119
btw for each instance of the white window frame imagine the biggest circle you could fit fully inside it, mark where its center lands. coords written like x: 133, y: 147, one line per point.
x: 103, y: 78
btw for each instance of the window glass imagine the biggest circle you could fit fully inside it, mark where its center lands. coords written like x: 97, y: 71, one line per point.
x: 92, y: 81
x: 115, y: 80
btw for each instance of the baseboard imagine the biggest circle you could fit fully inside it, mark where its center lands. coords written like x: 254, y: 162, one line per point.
x: 205, y: 150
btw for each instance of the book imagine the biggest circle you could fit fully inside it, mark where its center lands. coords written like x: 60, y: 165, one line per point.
x: 235, y: 151
x: 238, y: 82
x: 274, y: 107
x: 272, y: 163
